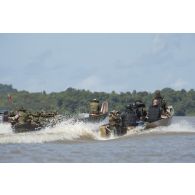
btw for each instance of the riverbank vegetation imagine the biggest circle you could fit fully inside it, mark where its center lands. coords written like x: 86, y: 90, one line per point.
x: 73, y: 101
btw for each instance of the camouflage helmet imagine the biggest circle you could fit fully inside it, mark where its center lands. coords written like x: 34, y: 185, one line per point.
x: 114, y: 112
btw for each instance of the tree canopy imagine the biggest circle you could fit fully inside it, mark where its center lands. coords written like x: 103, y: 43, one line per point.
x: 73, y: 101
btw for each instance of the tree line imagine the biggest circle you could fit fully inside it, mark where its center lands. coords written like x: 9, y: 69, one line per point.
x: 74, y: 101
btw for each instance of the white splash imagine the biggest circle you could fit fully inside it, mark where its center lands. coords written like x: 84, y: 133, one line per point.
x: 5, y: 128
x: 72, y: 130
x: 182, y: 126
x: 66, y: 130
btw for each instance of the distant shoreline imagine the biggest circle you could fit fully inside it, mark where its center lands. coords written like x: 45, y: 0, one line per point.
x: 73, y: 101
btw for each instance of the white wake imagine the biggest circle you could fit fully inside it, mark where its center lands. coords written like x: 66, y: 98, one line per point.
x: 67, y: 130
x: 73, y: 130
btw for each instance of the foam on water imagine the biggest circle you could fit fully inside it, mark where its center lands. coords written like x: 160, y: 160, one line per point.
x: 70, y: 129
x: 5, y: 128
x: 182, y: 126
x: 67, y: 130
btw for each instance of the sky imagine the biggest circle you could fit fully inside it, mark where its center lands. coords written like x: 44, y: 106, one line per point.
x: 97, y: 62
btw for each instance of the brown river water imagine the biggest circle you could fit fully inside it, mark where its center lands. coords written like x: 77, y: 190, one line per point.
x: 72, y: 142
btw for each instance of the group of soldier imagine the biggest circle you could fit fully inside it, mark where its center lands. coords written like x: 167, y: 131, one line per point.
x: 22, y: 117
x: 134, y: 113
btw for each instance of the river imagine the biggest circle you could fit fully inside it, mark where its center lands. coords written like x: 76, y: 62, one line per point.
x: 71, y: 142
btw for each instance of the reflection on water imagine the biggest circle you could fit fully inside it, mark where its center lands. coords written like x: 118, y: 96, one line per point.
x: 80, y: 142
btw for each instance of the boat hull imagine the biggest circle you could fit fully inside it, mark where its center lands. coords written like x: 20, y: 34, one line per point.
x: 105, y: 131
x: 162, y: 122
x: 22, y: 128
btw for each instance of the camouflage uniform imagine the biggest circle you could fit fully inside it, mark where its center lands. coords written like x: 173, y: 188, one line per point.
x: 22, y: 116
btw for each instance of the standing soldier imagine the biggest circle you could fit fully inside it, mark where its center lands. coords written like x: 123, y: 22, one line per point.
x: 94, y: 107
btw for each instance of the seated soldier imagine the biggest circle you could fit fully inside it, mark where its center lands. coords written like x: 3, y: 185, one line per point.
x: 154, y: 112
x: 161, y: 101
x: 19, y: 117
x: 13, y: 117
x: 22, y: 115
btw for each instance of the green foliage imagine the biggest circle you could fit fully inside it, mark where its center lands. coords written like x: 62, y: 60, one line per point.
x: 73, y: 101
x: 6, y: 89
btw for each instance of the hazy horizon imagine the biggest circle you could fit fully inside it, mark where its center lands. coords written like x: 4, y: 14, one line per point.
x: 131, y: 91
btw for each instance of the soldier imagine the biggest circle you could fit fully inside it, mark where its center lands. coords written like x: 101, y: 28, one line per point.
x: 29, y: 118
x: 154, y: 112
x: 161, y: 101
x: 94, y: 107
x: 13, y: 117
x: 22, y: 115
x: 36, y: 118
x: 115, y: 122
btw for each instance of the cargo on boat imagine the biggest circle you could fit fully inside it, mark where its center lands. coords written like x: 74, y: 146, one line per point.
x: 23, y: 121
